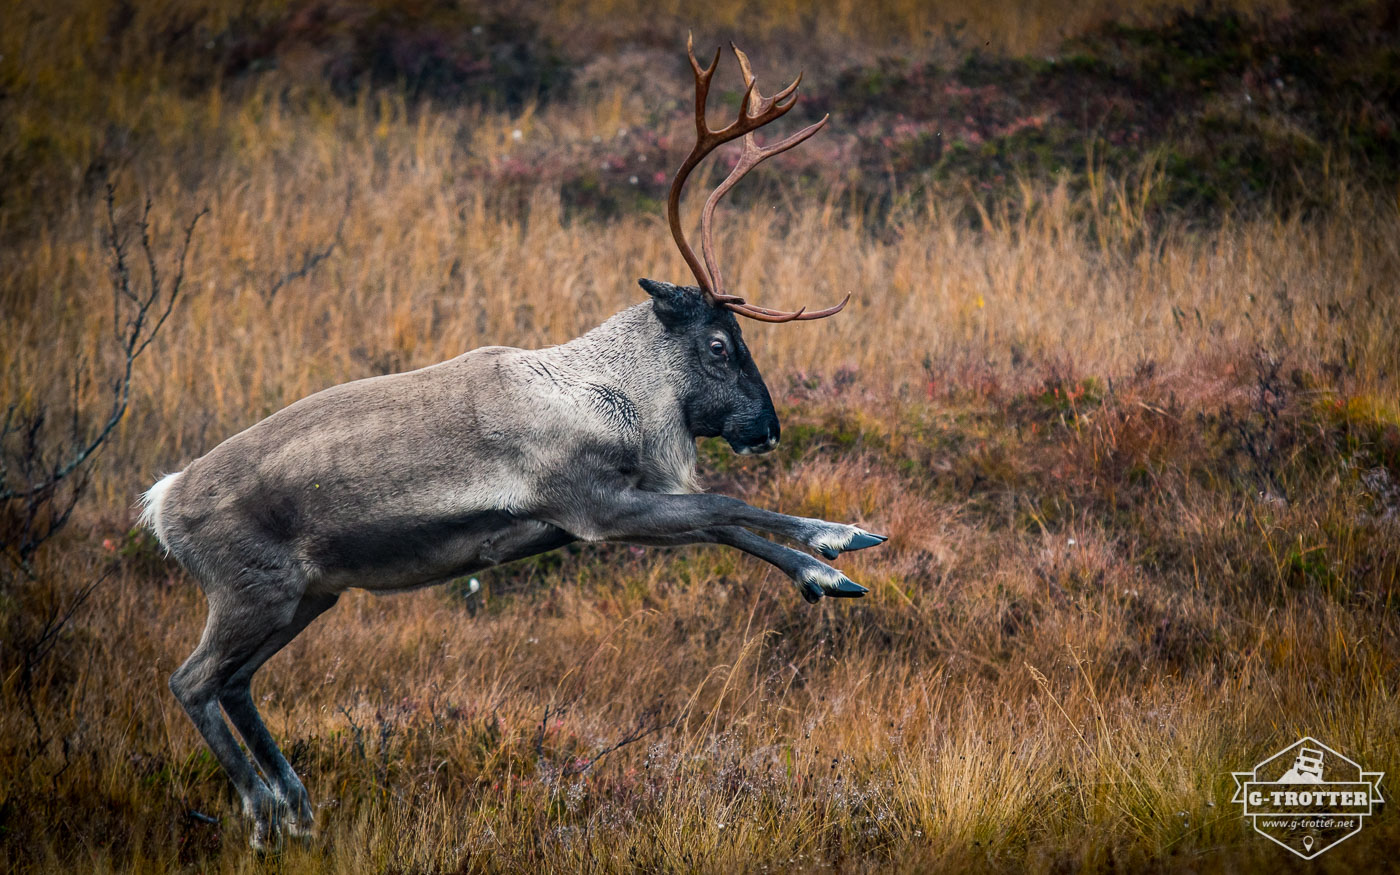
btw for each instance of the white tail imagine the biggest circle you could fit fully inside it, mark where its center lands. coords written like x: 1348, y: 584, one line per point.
x: 152, y: 503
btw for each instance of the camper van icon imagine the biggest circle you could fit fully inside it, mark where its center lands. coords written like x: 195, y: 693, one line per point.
x: 1307, y: 768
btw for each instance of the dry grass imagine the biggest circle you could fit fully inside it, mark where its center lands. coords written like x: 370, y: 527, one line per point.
x: 1140, y: 481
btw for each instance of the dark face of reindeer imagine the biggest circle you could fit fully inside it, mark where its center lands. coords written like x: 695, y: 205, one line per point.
x: 724, y: 394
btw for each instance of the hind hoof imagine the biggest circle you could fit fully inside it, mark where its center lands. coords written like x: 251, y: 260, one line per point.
x: 823, y: 581
x: 845, y: 588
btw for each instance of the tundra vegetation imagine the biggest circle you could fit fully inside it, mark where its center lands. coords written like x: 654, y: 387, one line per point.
x: 1120, y: 378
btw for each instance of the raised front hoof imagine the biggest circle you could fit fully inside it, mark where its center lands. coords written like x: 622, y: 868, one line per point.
x: 866, y: 539
x: 856, y: 540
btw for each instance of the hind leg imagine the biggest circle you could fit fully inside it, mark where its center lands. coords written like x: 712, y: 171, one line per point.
x: 237, y: 699
x: 233, y: 633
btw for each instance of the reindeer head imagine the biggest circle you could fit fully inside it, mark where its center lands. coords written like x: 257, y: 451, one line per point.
x: 727, y: 396
x: 722, y: 393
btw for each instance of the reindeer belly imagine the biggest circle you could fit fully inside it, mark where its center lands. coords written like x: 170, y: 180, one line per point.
x: 403, y: 554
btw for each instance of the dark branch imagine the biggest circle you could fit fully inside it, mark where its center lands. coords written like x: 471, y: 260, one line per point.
x: 310, y: 259
x: 647, y: 724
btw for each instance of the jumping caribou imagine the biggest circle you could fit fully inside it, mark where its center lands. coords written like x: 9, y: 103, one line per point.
x: 418, y: 478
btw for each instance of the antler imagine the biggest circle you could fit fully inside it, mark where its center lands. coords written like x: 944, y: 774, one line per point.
x: 755, y: 111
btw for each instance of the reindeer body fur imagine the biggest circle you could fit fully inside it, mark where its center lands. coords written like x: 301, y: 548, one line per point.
x: 416, y: 478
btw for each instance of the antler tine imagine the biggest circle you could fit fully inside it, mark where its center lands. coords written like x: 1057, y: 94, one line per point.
x: 700, y: 75
x: 763, y: 314
x: 788, y: 91
x: 750, y: 79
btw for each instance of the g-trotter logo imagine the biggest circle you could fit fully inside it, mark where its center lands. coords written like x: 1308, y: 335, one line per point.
x: 1307, y: 797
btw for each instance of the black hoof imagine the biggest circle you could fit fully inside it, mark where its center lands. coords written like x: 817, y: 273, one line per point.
x: 865, y: 539
x: 829, y: 552
x: 846, y: 589
x: 811, y: 592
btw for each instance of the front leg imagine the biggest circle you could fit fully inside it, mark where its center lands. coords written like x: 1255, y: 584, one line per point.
x: 814, y: 579
x: 628, y: 514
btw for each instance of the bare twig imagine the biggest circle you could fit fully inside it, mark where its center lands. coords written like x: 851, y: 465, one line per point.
x: 356, y: 733
x: 37, y: 648
x: 311, y: 258
x: 647, y: 724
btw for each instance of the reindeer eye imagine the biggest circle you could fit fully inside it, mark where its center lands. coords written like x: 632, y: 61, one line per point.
x: 717, y: 347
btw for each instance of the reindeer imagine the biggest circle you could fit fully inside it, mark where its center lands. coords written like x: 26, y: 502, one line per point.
x: 413, y: 479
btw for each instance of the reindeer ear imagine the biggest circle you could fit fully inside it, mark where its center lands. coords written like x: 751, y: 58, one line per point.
x: 673, y: 305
